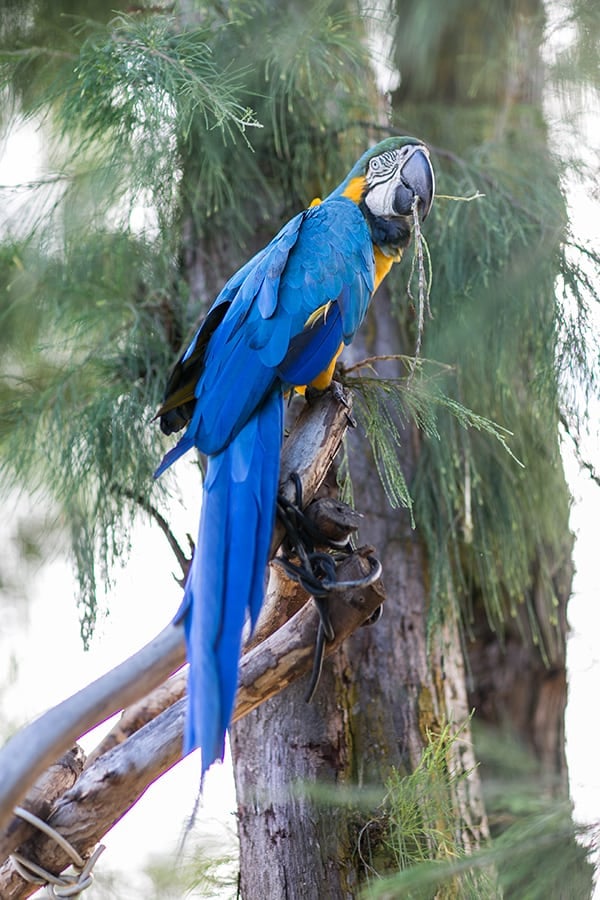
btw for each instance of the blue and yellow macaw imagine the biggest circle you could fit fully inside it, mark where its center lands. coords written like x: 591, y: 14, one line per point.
x: 279, y: 323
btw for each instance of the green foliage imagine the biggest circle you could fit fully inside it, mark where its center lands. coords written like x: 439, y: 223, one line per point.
x: 576, y: 63
x: 211, y: 872
x: 485, y: 518
x: 418, y: 831
x: 142, y: 113
x: 540, y: 857
x: 385, y: 407
x: 305, y: 80
x: 536, y: 851
x: 86, y: 332
x: 539, y: 851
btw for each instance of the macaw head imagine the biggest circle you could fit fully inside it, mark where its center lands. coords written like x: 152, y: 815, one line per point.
x: 386, y: 182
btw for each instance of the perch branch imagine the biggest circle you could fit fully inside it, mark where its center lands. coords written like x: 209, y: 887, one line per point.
x: 40, y: 799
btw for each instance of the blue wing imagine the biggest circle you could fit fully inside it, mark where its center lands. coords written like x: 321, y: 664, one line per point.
x: 324, y: 255
x: 278, y: 321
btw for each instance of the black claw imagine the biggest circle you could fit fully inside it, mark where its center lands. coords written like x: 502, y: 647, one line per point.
x: 297, y: 481
x: 317, y: 665
x: 322, y: 604
x: 375, y: 617
x: 338, y: 392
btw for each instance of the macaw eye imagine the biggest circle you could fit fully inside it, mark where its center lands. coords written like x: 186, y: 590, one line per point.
x: 375, y: 164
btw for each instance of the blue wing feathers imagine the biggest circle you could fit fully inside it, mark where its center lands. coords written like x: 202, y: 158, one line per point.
x: 311, y: 351
x: 321, y: 258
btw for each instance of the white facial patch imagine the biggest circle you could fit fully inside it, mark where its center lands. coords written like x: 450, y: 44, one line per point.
x: 380, y: 198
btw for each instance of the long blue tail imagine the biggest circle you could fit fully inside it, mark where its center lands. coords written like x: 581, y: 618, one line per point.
x: 227, y: 574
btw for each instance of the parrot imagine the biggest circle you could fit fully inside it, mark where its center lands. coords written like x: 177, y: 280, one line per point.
x: 278, y: 325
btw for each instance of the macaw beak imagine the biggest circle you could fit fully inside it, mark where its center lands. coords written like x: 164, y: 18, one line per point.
x: 417, y: 180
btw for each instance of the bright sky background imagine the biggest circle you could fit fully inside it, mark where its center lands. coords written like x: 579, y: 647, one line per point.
x: 42, y: 638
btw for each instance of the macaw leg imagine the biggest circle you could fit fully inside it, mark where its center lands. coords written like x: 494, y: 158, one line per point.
x: 313, y: 392
x: 227, y: 575
x: 325, y: 522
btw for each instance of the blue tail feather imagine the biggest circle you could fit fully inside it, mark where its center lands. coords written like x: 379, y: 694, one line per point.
x: 227, y: 575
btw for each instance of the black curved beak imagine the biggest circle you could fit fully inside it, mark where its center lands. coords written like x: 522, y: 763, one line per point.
x: 417, y: 180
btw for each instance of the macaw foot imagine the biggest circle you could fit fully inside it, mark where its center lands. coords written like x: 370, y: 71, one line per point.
x: 315, y: 568
x: 336, y: 389
x: 327, y: 522
x: 322, y: 604
x: 372, y: 620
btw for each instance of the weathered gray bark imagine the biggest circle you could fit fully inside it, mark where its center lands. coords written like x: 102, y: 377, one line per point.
x: 57, y: 779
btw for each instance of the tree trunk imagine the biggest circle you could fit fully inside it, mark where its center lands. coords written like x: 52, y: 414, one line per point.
x: 390, y: 686
x: 380, y: 696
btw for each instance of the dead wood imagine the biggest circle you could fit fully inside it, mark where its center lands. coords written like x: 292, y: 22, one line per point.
x: 40, y: 799
x: 139, y: 714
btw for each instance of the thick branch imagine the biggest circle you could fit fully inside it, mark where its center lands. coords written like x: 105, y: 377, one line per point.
x: 41, y: 798
x: 109, y: 788
x: 139, y: 714
x: 308, y: 451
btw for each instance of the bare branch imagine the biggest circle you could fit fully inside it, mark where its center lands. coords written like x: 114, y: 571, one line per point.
x: 139, y: 714
x: 584, y: 463
x: 38, y: 745
x: 183, y: 560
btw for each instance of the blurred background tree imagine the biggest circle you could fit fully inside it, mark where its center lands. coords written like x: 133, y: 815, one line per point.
x: 178, y: 137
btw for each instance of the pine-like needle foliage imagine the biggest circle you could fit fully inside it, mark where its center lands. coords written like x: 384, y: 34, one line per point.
x: 513, y: 299
x: 160, y: 130
x: 175, y: 135
x: 498, y: 525
x: 386, y: 407
x: 537, y: 853
x: 417, y: 834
